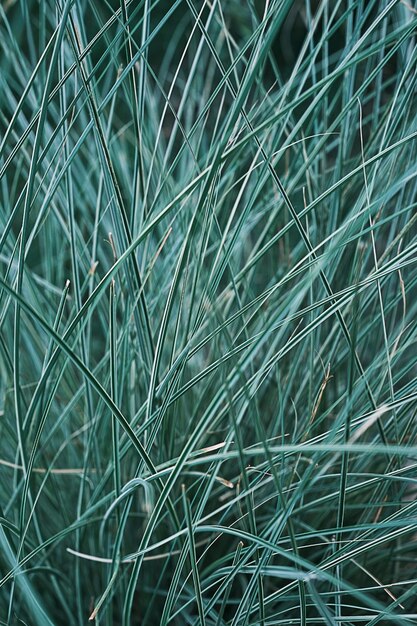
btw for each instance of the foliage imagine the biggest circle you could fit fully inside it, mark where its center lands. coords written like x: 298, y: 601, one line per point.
x: 208, y: 302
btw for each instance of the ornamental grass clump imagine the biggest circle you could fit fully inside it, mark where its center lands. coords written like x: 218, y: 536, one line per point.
x: 208, y: 246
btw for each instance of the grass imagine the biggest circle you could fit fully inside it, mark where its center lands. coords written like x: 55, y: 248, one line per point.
x: 208, y: 301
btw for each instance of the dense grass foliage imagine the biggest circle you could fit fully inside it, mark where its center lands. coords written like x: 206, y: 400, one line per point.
x: 208, y: 292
